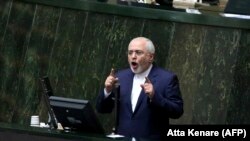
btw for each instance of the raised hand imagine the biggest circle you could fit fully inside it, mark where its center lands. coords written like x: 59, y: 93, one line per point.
x: 110, y: 81
x: 148, y: 88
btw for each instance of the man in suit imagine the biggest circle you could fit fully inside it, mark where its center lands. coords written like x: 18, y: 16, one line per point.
x: 148, y: 94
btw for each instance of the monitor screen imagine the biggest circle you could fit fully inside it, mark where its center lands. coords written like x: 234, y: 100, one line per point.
x: 76, y: 115
x: 238, y: 7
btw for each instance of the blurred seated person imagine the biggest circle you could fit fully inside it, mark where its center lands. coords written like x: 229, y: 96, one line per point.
x: 164, y: 2
x: 154, y: 2
x: 170, y: 2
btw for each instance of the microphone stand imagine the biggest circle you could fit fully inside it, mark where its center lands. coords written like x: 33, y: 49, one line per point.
x: 116, y: 104
x: 47, y: 92
x: 116, y: 92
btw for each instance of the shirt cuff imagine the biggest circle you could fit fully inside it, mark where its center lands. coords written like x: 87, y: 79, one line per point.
x: 106, y: 94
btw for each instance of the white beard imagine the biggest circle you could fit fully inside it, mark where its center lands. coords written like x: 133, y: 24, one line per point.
x: 137, y: 71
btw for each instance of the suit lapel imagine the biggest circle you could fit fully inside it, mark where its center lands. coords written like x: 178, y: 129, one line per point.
x: 140, y: 99
x: 151, y: 76
x: 128, y: 88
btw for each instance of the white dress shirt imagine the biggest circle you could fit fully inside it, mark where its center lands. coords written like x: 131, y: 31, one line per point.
x: 136, y: 89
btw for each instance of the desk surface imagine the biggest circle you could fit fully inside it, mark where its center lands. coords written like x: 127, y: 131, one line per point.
x: 19, y: 132
x: 14, y: 132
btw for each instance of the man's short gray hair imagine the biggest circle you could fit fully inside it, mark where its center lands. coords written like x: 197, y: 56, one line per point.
x: 150, y: 46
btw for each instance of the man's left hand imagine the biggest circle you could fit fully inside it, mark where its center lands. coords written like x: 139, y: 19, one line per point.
x: 148, y: 88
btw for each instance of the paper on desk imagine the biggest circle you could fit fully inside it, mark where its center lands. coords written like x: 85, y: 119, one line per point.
x: 184, y: 4
x: 193, y: 11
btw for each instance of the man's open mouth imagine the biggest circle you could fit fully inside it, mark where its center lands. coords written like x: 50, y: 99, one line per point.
x: 134, y: 65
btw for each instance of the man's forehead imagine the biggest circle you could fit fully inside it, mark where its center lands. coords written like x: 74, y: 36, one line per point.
x: 137, y: 46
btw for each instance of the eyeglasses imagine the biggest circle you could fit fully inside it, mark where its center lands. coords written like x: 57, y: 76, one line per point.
x: 137, y: 52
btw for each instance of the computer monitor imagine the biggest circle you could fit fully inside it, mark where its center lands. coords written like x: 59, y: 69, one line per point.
x: 76, y: 115
x: 241, y: 7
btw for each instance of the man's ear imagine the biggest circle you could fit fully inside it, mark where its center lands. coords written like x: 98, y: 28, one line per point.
x: 151, y: 57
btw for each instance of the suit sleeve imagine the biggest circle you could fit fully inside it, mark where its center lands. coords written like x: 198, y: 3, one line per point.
x: 104, y: 105
x: 170, y: 98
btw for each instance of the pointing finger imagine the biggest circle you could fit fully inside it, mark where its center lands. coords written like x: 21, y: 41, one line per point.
x: 142, y: 86
x: 147, y: 80
x: 112, y: 72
